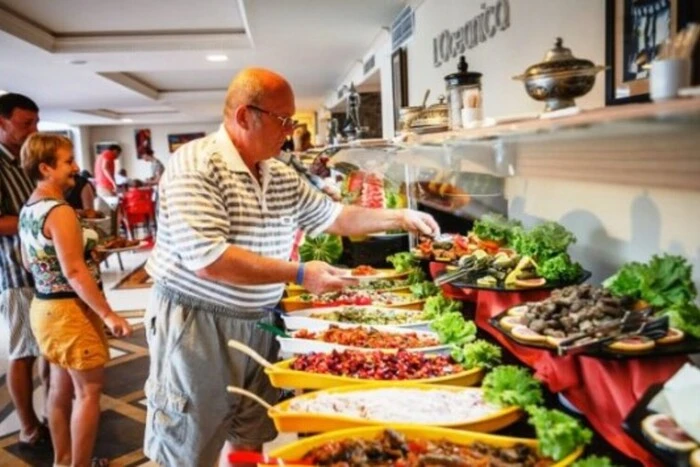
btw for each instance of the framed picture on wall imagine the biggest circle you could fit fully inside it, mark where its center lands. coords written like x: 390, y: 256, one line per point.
x: 143, y: 141
x: 103, y: 146
x: 399, y: 78
x: 178, y: 139
x: 635, y: 32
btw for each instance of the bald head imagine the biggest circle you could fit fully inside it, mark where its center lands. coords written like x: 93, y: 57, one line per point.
x: 258, y: 87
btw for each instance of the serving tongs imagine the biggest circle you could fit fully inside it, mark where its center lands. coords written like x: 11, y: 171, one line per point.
x: 466, y: 266
x: 633, y: 324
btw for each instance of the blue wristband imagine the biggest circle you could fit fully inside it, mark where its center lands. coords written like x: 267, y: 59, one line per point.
x: 300, y: 274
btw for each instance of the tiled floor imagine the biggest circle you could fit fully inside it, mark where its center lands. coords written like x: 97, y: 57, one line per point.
x: 121, y: 430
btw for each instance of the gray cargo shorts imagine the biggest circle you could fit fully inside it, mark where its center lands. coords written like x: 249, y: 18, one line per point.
x: 14, y: 308
x: 190, y: 414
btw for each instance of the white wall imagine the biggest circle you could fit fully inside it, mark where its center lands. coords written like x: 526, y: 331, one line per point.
x: 124, y: 135
x: 534, y: 26
x: 614, y: 224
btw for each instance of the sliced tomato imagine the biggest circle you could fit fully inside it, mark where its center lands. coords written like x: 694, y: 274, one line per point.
x: 461, y: 242
x: 489, y: 245
x: 362, y: 301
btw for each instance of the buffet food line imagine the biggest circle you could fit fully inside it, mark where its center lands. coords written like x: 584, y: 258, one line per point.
x: 398, y: 371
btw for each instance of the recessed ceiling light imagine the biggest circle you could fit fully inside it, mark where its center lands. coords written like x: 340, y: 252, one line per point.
x: 127, y: 120
x: 217, y: 58
x: 77, y: 62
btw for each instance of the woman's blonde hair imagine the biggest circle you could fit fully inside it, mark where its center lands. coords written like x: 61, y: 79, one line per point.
x: 41, y: 148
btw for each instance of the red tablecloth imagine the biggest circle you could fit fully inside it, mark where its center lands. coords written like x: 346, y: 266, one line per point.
x: 604, y: 390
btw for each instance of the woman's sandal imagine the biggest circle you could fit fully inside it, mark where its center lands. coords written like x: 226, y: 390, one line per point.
x: 40, y: 441
x: 99, y: 462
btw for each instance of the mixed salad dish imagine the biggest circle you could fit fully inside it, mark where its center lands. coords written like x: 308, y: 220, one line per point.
x: 370, y: 316
x: 392, y: 448
x: 357, y: 297
x: 369, y: 338
x: 377, y: 365
x: 502, y: 254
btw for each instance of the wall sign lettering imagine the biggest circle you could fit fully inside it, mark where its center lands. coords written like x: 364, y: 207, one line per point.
x: 450, y: 44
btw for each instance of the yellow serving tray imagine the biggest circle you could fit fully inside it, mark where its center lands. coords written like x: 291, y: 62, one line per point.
x: 294, y: 290
x: 299, y: 449
x: 281, y: 376
x: 291, y: 304
x: 287, y: 421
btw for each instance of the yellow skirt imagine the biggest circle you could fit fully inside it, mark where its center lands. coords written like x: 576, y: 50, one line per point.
x: 69, y: 334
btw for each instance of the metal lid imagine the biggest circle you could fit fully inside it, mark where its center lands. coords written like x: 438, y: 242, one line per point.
x: 440, y: 106
x: 463, y: 76
x: 557, y: 60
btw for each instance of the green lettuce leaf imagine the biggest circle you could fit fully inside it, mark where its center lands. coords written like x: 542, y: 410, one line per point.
x: 685, y: 317
x: 439, y: 304
x: 323, y: 247
x: 628, y: 280
x: 415, y: 276
x: 452, y: 328
x: 480, y: 353
x: 663, y: 282
x: 508, y: 385
x: 560, y: 268
x: 558, y: 433
x: 495, y: 227
x: 403, y: 261
x: 542, y: 242
x: 424, y: 289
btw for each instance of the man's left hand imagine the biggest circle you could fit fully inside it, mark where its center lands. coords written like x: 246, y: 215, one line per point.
x: 419, y: 222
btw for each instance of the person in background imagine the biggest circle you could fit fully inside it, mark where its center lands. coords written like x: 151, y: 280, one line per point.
x: 226, y: 224
x: 157, y: 167
x: 121, y: 179
x: 288, y: 145
x: 81, y: 196
x: 306, y: 141
x: 104, y: 171
x: 69, y: 308
x: 19, y: 116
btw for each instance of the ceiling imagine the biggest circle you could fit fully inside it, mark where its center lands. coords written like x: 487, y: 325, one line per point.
x: 100, y: 62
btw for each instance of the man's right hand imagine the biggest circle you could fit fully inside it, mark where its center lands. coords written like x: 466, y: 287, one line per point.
x: 320, y: 277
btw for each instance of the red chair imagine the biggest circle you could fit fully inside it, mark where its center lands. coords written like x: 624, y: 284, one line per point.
x: 137, y: 207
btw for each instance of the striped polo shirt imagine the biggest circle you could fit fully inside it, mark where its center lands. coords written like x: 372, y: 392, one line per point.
x: 209, y: 200
x: 15, y: 190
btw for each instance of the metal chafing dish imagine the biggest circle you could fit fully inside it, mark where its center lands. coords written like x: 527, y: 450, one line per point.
x: 431, y: 119
x: 560, y: 78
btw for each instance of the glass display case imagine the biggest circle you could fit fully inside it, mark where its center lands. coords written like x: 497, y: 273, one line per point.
x: 539, y: 169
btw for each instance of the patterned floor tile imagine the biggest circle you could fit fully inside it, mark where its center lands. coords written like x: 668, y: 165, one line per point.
x: 124, y: 379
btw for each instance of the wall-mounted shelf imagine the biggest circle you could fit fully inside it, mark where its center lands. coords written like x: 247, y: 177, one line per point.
x: 683, y: 111
x: 650, y: 145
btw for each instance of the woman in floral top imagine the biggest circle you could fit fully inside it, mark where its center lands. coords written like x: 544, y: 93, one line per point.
x: 69, y: 308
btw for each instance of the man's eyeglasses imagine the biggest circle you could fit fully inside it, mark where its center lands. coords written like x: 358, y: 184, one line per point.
x: 287, y: 122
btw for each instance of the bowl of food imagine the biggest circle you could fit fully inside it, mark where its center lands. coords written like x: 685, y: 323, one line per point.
x: 560, y: 78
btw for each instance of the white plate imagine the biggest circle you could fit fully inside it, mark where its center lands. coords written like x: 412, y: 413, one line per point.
x: 302, y: 319
x: 294, y: 346
x: 381, y: 274
x: 387, y: 235
x: 141, y: 245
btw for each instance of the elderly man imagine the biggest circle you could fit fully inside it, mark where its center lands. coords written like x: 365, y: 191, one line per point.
x: 228, y: 213
x: 19, y: 116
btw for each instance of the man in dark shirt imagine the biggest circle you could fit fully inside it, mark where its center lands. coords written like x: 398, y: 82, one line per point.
x: 19, y: 116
